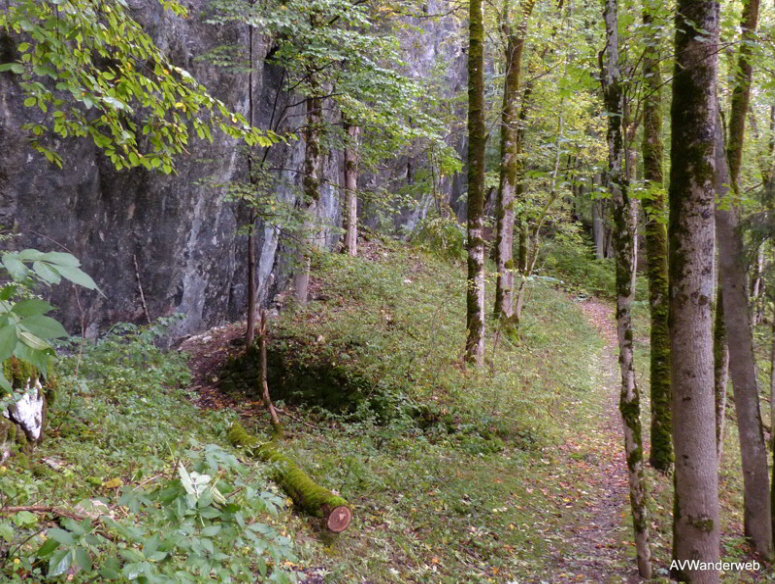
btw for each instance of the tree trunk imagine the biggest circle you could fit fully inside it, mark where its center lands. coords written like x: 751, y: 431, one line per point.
x: 757, y: 283
x: 313, y: 166
x: 691, y: 243
x: 661, y: 456
x: 307, y: 495
x: 598, y: 227
x: 720, y: 371
x: 476, y: 170
x: 523, y: 224
x: 734, y: 271
x: 263, y: 341
x: 251, y: 325
x: 625, y: 222
x: 510, y: 165
x: 742, y: 365
x: 351, y: 189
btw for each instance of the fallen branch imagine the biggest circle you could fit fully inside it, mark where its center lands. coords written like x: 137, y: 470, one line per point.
x: 42, y: 509
x: 306, y: 494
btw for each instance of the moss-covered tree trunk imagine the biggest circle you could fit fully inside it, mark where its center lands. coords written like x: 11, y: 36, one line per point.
x: 624, y: 225
x: 691, y: 242
x: 733, y: 267
x: 720, y: 371
x: 351, y: 188
x: 510, y: 163
x: 306, y: 494
x: 475, y: 308
x: 313, y: 171
x: 661, y: 456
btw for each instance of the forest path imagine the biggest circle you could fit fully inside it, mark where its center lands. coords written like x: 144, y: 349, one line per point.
x: 598, y: 547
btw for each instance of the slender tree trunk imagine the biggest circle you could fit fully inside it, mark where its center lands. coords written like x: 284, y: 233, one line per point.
x: 476, y: 169
x: 251, y: 325
x: 519, y: 197
x: 533, y: 237
x: 691, y: 243
x: 351, y: 189
x: 510, y: 164
x: 313, y: 168
x: 720, y: 371
x: 757, y: 283
x: 742, y: 366
x: 598, y: 227
x: 625, y: 222
x: 656, y: 253
x: 734, y: 271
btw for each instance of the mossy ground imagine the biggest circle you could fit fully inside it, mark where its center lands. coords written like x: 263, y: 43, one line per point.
x: 432, y: 505
x: 500, y: 482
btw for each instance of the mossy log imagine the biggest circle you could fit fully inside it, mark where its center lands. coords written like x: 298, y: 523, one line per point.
x: 305, y: 493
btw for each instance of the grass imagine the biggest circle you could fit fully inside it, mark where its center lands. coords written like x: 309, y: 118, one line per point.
x: 434, y: 506
x: 454, y: 475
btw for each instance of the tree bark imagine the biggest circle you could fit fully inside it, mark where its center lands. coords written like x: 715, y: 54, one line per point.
x: 661, y: 457
x: 720, y: 371
x: 691, y: 235
x: 598, y: 227
x: 263, y: 341
x: 625, y: 223
x: 313, y: 166
x: 476, y: 170
x: 734, y: 271
x: 510, y: 164
x: 351, y: 189
x: 742, y: 365
x: 251, y: 325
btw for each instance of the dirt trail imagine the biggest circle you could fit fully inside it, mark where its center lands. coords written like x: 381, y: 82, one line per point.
x: 598, y: 549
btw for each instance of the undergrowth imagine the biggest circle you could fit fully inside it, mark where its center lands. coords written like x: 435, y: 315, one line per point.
x: 138, y: 489
x: 454, y: 475
x: 471, y: 495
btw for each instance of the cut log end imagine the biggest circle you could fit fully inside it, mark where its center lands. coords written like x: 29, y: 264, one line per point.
x: 339, y: 519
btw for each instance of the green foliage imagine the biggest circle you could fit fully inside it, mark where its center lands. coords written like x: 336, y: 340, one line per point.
x: 93, y: 72
x: 442, y: 236
x: 391, y: 327
x: 463, y: 457
x: 572, y: 259
x: 26, y: 331
x: 134, y: 453
x: 574, y: 262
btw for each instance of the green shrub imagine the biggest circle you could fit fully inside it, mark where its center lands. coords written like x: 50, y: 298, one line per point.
x: 444, y: 237
x: 126, y: 439
x: 572, y: 259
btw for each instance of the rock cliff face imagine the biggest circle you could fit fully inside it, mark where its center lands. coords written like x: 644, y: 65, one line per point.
x: 173, y: 237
